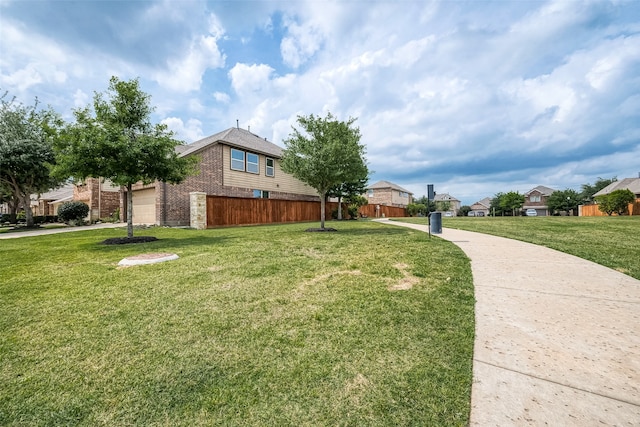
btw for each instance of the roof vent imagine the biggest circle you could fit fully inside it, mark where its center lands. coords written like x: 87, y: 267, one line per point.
x: 237, y: 124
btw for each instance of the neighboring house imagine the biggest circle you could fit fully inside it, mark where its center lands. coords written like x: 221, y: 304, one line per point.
x: 102, y: 197
x: 447, y: 204
x: 481, y: 207
x: 632, y: 184
x: 233, y: 163
x: 536, y: 198
x: 48, y: 203
x: 386, y: 193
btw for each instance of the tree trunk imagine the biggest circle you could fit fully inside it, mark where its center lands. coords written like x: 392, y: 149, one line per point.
x: 28, y: 213
x: 339, y: 208
x: 129, y: 211
x: 323, y: 196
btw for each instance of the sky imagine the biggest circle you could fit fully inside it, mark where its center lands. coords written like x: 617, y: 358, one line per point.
x: 475, y: 97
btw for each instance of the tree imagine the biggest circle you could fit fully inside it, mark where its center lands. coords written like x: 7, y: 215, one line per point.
x: 616, y: 202
x: 507, y: 203
x: 324, y: 155
x: 348, y: 189
x: 429, y: 204
x: 443, y: 205
x: 354, y: 202
x: 117, y: 141
x: 588, y: 190
x: 564, y: 200
x: 26, y: 153
x: 464, y: 210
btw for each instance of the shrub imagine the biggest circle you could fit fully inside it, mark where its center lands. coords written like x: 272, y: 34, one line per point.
x: 73, y: 211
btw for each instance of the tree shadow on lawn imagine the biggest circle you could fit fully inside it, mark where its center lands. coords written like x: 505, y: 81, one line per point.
x: 162, y: 244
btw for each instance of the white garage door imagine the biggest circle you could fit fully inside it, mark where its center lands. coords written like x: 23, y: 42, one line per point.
x: 144, y: 206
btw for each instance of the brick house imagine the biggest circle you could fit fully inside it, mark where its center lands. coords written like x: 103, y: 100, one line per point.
x: 481, y: 207
x: 102, y: 197
x: 536, y: 198
x: 386, y: 193
x: 233, y: 163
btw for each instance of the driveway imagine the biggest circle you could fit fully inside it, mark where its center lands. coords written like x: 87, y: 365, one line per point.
x: 557, y: 337
x: 44, y: 231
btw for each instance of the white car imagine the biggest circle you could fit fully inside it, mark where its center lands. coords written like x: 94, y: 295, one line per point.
x: 531, y: 212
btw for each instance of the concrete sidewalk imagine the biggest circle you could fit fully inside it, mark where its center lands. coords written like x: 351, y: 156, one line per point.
x: 557, y: 337
x: 44, y: 231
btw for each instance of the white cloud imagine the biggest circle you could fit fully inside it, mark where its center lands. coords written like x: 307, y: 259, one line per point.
x: 80, y: 99
x: 222, y: 97
x: 247, y: 80
x: 189, y: 132
x: 184, y: 73
x: 301, y: 42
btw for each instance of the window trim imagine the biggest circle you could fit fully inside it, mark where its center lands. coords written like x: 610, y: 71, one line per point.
x: 267, y: 167
x: 255, y: 164
x: 236, y: 168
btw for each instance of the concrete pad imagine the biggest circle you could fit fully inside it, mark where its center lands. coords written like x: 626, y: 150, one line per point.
x: 557, y: 337
x: 147, y: 259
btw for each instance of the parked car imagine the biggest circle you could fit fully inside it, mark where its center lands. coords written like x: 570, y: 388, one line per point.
x: 531, y: 212
x: 472, y: 213
x: 448, y: 214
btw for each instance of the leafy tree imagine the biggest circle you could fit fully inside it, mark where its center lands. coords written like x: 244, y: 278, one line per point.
x: 346, y: 190
x: 588, y: 190
x: 464, y: 210
x: 414, y: 209
x: 429, y: 204
x: 354, y: 202
x: 507, y: 203
x: 564, y: 200
x: 26, y: 152
x: 616, y: 202
x: 324, y: 155
x: 443, y: 205
x: 117, y: 141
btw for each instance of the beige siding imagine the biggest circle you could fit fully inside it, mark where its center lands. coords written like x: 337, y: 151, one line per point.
x: 281, y: 182
x: 144, y: 206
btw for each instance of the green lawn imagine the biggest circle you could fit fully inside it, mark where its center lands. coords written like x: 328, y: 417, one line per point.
x: 610, y: 241
x: 372, y: 325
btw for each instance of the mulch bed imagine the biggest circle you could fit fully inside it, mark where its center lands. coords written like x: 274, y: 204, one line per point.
x: 128, y: 240
x: 319, y: 230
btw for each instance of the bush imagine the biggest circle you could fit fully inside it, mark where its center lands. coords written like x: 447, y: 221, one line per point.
x: 73, y: 211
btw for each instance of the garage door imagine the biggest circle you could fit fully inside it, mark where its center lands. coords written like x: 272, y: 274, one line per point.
x: 144, y: 206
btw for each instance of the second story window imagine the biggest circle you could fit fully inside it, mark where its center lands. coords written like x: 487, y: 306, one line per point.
x: 269, y: 167
x: 534, y: 198
x: 237, y: 160
x: 253, y: 163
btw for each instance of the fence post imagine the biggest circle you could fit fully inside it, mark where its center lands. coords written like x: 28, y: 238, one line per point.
x: 198, y: 213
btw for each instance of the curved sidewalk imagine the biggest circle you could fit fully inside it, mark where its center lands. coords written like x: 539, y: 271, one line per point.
x: 44, y: 231
x: 557, y: 337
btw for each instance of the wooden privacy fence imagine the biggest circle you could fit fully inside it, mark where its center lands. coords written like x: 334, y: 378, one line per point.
x: 387, y: 211
x: 592, y: 210
x: 225, y: 211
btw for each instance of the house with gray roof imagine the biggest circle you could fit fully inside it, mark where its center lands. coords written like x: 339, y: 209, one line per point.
x: 481, y: 207
x: 233, y: 163
x: 386, y: 193
x: 632, y: 184
x: 447, y: 204
x: 536, y: 198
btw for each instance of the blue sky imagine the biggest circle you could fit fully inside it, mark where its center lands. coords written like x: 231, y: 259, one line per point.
x: 475, y: 97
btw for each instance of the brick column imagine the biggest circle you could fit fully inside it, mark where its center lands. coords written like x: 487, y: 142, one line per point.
x: 198, y: 216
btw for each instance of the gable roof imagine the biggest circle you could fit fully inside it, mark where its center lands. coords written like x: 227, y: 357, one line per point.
x: 234, y: 137
x: 632, y: 184
x: 387, y: 184
x: 486, y: 202
x: 58, y: 193
x: 444, y: 197
x: 545, y: 191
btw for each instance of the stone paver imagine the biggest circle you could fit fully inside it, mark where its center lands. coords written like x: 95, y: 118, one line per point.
x: 557, y: 337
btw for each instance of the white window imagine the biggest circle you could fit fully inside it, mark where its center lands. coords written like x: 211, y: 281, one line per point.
x: 260, y: 194
x: 370, y: 192
x: 253, y: 163
x: 237, y: 160
x: 269, y: 167
x: 534, y: 198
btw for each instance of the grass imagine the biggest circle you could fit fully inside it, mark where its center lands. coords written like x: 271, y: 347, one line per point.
x: 609, y: 241
x: 372, y: 325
